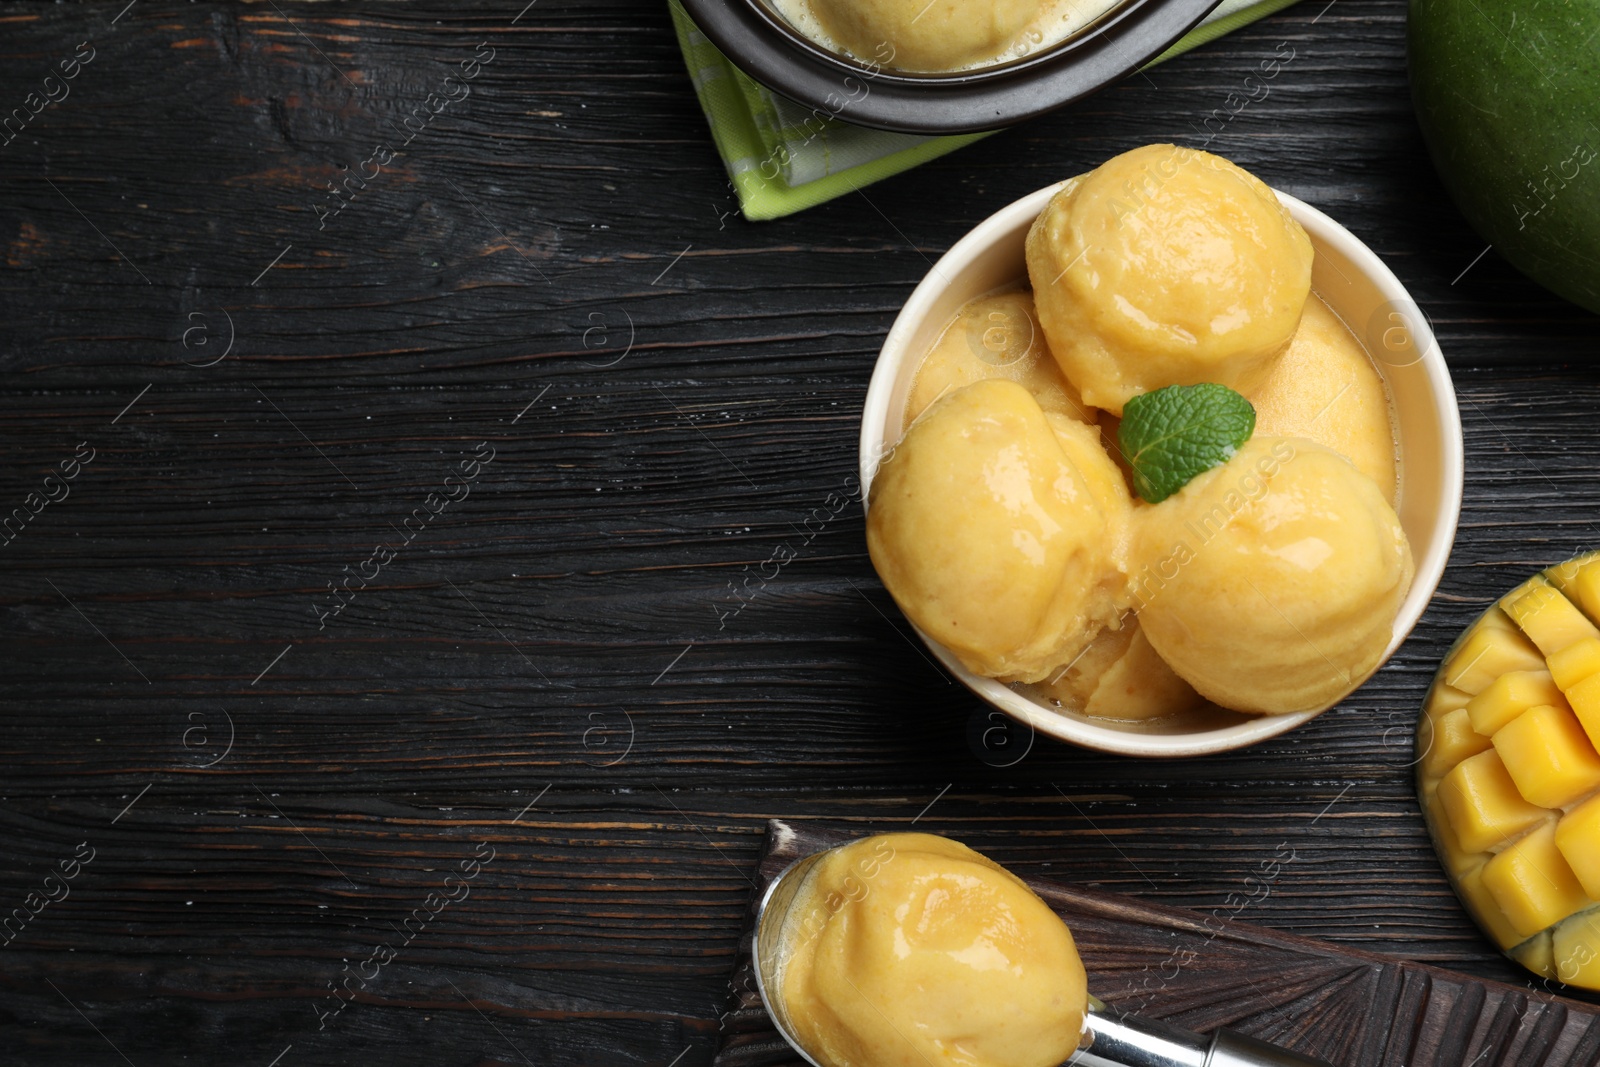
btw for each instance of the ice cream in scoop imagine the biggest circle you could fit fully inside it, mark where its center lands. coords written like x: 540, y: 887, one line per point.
x: 905, y: 950
x: 1167, y: 266
x: 1000, y: 530
x: 1270, y: 583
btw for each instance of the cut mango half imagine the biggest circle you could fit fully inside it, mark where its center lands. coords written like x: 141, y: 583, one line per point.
x: 1508, y: 771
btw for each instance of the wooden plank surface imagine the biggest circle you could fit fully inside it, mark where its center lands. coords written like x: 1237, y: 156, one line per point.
x: 550, y: 664
x: 1206, y: 971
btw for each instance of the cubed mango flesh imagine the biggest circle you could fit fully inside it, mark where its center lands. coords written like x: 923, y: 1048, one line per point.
x: 1532, y: 883
x: 1584, y: 699
x: 1564, y: 575
x: 1486, y: 654
x: 1585, y: 589
x: 1487, y: 911
x: 1447, y: 741
x: 1510, y: 695
x: 1496, y: 619
x: 1576, y: 950
x: 1538, y: 581
x: 1445, y: 699
x: 1508, y: 771
x: 1483, y: 805
x: 1578, y: 838
x: 1551, y: 621
x: 1548, y: 756
x: 1577, y: 661
x: 1457, y: 860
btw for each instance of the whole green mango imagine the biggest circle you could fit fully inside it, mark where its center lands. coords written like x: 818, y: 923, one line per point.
x: 1508, y: 96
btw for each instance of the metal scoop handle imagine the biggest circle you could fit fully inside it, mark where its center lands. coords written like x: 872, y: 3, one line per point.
x: 1117, y: 1040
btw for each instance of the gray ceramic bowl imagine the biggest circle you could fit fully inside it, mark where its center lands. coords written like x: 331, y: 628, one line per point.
x: 765, y: 46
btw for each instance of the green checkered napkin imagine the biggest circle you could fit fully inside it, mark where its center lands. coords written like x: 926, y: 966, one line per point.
x: 755, y: 129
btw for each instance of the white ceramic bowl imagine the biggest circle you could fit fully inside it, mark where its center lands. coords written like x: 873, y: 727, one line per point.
x: 1359, y: 288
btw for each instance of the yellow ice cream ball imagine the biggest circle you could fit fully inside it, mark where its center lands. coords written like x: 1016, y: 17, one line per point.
x: 1119, y: 676
x: 1167, y: 266
x: 905, y: 950
x: 1324, y: 388
x: 923, y: 35
x: 1001, y: 531
x: 995, y: 336
x: 1271, y: 582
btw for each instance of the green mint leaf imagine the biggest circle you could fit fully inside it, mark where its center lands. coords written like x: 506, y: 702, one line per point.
x: 1173, y: 434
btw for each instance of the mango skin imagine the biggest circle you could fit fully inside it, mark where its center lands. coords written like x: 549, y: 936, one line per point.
x: 1504, y: 93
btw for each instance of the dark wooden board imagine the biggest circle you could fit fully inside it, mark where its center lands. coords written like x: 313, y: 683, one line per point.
x: 1201, y: 972
x: 571, y: 604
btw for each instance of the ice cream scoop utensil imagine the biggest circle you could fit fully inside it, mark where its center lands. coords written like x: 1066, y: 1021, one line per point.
x: 1111, y: 1039
x: 1117, y: 1040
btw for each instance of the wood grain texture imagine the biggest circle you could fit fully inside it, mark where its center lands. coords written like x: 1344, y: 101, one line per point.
x: 558, y: 636
x: 1203, y: 972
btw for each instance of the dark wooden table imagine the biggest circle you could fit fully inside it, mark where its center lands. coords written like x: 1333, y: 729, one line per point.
x: 497, y: 800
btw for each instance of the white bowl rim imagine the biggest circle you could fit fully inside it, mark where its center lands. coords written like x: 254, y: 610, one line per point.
x: 1429, y: 568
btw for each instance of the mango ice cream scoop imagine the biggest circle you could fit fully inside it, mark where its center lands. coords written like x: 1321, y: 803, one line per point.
x: 912, y: 950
